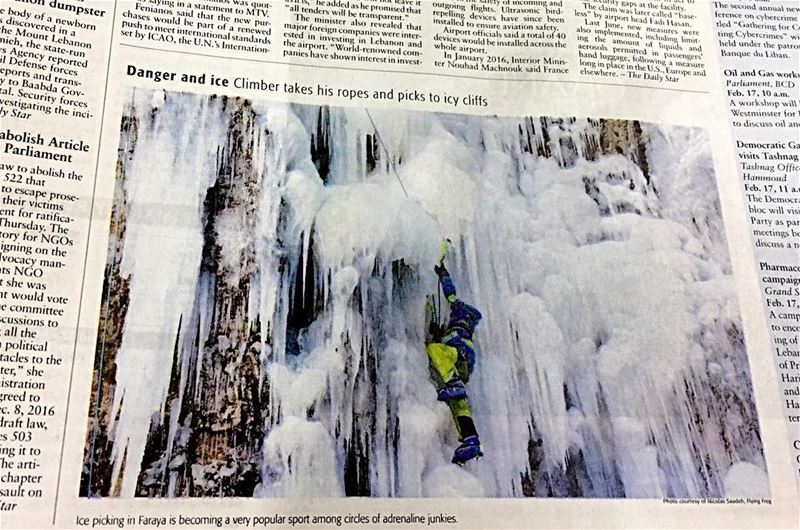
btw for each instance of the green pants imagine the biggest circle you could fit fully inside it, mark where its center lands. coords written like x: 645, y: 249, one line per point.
x: 444, y: 364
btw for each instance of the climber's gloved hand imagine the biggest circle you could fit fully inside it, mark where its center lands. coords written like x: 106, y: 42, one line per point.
x: 441, y: 270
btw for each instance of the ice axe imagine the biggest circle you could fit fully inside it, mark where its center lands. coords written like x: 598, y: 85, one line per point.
x: 446, y: 245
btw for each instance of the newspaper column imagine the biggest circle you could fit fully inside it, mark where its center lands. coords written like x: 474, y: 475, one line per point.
x: 52, y: 69
x: 758, y: 43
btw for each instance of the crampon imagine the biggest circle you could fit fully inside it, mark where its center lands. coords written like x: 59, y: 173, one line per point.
x: 470, y: 448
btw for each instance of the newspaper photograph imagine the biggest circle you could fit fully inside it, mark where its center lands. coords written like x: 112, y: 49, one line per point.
x: 399, y: 264
x: 264, y: 330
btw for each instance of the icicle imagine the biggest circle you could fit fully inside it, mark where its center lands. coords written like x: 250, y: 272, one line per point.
x: 173, y: 164
x: 608, y: 312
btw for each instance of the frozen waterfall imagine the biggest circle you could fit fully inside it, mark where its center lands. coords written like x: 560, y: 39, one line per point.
x: 261, y: 329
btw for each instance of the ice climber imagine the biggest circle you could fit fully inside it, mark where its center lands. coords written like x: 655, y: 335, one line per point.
x: 452, y: 358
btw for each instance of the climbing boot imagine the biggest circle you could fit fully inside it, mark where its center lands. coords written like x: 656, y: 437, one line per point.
x: 470, y: 448
x: 454, y: 389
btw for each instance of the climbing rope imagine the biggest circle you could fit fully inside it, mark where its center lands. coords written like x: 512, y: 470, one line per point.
x: 386, y: 151
x: 439, y: 309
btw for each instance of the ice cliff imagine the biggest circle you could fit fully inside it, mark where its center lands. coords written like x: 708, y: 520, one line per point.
x: 261, y: 328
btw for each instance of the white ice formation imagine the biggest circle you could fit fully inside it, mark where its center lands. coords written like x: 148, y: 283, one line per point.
x: 275, y: 269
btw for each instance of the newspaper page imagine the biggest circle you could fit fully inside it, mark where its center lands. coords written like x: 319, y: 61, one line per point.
x: 398, y: 264
x: 761, y: 66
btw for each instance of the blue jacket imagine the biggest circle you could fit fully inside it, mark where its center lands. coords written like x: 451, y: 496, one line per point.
x: 464, y: 318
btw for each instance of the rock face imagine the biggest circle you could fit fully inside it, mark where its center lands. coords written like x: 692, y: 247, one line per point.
x: 97, y: 464
x: 261, y: 331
